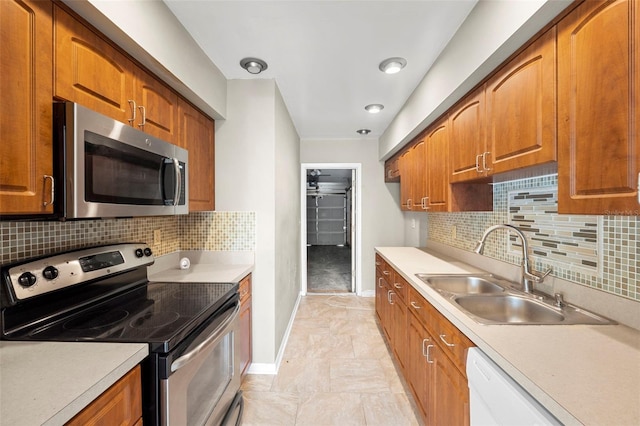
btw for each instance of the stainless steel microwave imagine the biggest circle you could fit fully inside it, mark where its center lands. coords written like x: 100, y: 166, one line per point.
x: 110, y: 169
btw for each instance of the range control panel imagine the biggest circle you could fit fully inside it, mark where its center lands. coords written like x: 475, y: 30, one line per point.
x: 33, y: 278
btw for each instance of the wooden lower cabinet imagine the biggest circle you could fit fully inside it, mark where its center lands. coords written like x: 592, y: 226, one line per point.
x: 430, y: 351
x: 245, y: 324
x: 121, y: 404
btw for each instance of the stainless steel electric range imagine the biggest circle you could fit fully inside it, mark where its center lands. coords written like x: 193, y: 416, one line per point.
x: 102, y: 294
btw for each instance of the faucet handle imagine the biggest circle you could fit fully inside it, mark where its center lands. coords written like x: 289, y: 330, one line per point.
x: 537, y: 277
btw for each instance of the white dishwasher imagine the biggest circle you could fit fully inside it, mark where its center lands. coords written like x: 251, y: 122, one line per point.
x: 496, y: 399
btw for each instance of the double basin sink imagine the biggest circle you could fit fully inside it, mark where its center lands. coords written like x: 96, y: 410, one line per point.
x: 491, y: 300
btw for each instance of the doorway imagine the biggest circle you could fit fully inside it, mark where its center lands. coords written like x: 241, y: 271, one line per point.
x: 330, y: 228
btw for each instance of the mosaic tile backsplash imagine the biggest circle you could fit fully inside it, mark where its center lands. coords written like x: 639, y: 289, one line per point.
x: 166, y: 234
x: 597, y: 251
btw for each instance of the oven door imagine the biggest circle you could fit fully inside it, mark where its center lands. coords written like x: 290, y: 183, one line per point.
x: 204, y: 377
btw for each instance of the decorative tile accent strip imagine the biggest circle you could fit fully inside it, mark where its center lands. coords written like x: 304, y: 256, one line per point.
x: 563, y: 242
x: 597, y: 251
x: 211, y: 231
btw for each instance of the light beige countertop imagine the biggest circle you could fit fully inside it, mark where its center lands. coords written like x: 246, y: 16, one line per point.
x: 205, y: 266
x: 582, y: 374
x: 47, y: 383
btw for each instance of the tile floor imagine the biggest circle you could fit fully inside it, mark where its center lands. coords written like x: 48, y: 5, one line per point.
x: 336, y: 370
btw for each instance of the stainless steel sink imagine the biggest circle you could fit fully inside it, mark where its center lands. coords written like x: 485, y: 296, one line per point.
x: 492, y: 300
x: 509, y: 309
x: 461, y: 284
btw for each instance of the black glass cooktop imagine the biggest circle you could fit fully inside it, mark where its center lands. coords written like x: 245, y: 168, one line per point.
x: 160, y: 314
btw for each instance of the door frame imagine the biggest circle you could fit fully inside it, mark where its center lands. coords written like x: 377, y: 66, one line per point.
x: 356, y: 205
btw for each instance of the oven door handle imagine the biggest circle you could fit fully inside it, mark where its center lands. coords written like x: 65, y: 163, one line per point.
x: 211, y: 339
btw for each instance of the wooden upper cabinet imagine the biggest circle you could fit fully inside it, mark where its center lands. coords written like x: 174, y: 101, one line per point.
x: 197, y: 135
x: 405, y: 165
x: 467, y: 137
x: 26, y: 152
x: 521, y: 113
x: 598, y: 107
x: 157, y: 107
x: 437, y: 161
x: 90, y: 71
x: 418, y: 176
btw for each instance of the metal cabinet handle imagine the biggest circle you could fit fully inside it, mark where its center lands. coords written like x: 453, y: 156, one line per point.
x: 442, y: 337
x: 478, y: 163
x: 133, y: 110
x: 378, y: 263
x: 380, y: 283
x: 385, y: 272
x: 428, y: 354
x: 409, y: 203
x: 414, y: 305
x: 484, y: 161
x: 143, y: 110
x: 638, y: 188
x: 53, y: 190
x: 390, y: 296
x: 424, y: 348
x: 396, y: 285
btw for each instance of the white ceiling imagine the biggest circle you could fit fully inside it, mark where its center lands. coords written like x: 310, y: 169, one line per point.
x: 324, y: 55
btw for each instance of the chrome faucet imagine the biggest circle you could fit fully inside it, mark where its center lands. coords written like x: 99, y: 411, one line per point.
x: 529, y: 276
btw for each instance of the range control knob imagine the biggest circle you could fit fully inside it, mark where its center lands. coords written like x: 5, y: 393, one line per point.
x: 139, y: 252
x: 147, y: 252
x: 27, y: 279
x: 50, y: 272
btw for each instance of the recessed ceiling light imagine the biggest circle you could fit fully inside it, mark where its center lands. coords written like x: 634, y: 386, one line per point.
x: 363, y: 131
x: 392, y: 65
x: 374, y: 108
x: 253, y: 65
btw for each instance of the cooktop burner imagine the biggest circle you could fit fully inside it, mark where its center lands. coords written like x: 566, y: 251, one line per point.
x: 100, y: 319
x: 150, y: 320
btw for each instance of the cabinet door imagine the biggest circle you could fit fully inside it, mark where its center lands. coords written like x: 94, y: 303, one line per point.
x: 157, y: 107
x: 406, y: 175
x: 521, y: 113
x: 26, y: 152
x: 467, y: 139
x: 450, y: 396
x: 399, y: 329
x: 437, y: 162
x: 90, y: 71
x: 121, y: 404
x: 197, y: 136
x: 418, y: 177
x: 598, y: 107
x: 418, y: 372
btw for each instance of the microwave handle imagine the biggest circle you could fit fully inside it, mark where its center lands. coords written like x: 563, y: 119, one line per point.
x: 178, y: 188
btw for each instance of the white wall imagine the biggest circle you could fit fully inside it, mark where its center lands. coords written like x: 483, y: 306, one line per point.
x: 382, y: 221
x: 257, y: 163
x: 287, y: 209
x: 149, y: 32
x: 491, y: 33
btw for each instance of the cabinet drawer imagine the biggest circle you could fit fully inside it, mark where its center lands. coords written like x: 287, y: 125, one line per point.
x: 399, y: 286
x: 423, y: 310
x: 385, y: 270
x: 452, y: 341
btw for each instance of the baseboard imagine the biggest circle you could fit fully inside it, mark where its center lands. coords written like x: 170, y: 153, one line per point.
x: 368, y: 293
x: 265, y: 368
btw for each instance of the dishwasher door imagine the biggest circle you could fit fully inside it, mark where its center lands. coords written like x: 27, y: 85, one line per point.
x: 496, y: 399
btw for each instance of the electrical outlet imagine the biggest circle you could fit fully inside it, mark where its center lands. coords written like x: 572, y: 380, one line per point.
x: 157, y: 237
x: 454, y: 232
x: 413, y: 223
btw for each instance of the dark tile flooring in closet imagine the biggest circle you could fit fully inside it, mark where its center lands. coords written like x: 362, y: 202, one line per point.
x: 328, y: 269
